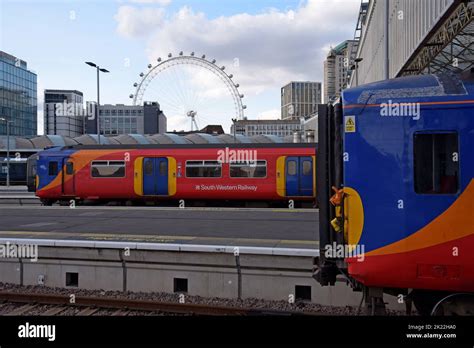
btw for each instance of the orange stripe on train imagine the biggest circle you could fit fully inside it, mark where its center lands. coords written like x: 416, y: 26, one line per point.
x: 454, y: 223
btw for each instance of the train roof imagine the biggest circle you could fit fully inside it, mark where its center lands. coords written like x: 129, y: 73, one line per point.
x: 185, y: 146
x: 41, y: 142
x: 419, y: 88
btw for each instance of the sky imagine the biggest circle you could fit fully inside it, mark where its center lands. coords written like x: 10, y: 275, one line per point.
x: 264, y: 44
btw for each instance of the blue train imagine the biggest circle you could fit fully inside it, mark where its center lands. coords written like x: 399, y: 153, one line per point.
x: 396, y: 191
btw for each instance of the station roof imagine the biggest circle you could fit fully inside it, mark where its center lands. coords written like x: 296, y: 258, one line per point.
x: 43, y: 141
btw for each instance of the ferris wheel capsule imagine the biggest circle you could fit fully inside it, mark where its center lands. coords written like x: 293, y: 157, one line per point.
x: 203, y: 56
x: 170, y: 55
x: 181, y: 53
x: 142, y: 74
x: 149, y: 66
x: 213, y: 61
x: 159, y: 59
x: 192, y: 54
x: 135, y: 84
x: 130, y: 96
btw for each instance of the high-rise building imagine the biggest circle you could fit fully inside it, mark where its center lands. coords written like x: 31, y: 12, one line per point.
x: 336, y: 71
x: 18, y: 100
x: 63, y: 113
x: 128, y: 119
x: 300, y: 99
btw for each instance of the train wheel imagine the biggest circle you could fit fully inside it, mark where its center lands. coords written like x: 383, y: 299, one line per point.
x: 47, y: 202
x: 455, y: 304
x: 425, y: 301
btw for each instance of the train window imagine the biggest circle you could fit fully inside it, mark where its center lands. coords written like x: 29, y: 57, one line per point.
x: 163, y: 168
x: 53, y: 168
x: 69, y: 168
x: 291, y: 167
x: 436, y: 166
x: 307, y: 170
x: 148, y: 167
x: 108, y: 169
x: 203, y: 169
x: 246, y: 170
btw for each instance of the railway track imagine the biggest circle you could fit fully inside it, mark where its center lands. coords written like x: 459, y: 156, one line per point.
x: 53, y: 304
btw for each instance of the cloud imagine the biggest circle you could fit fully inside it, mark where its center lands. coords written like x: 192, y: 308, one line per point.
x: 263, y: 51
x: 134, y: 22
x: 272, y: 47
x: 158, y: 2
x: 269, y: 114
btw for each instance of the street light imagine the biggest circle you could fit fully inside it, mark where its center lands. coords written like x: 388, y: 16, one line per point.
x: 98, y: 95
x: 8, y: 148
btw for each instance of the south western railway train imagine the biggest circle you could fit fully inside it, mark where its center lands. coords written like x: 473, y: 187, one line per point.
x: 396, y: 191
x: 141, y: 173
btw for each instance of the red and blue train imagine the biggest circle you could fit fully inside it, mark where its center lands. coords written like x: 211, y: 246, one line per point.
x: 399, y: 155
x: 139, y: 173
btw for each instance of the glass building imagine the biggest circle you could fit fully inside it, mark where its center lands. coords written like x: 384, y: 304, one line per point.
x: 18, y: 100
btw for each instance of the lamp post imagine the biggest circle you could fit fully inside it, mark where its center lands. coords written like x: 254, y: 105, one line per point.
x: 99, y: 69
x: 8, y: 148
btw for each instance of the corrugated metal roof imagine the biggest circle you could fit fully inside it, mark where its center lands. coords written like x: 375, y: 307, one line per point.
x: 43, y: 141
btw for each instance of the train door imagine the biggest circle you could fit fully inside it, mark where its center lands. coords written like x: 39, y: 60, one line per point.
x: 155, y: 176
x: 299, y: 176
x: 69, y: 178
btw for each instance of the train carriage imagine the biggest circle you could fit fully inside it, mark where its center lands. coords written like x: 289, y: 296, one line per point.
x: 17, y: 170
x: 403, y: 171
x: 246, y: 172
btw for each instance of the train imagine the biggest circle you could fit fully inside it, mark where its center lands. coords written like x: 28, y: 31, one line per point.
x: 396, y: 192
x: 180, y: 172
x: 18, y: 168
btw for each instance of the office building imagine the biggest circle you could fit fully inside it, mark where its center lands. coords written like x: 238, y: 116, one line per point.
x: 18, y: 100
x: 128, y: 119
x: 300, y: 99
x: 64, y: 113
x: 281, y: 128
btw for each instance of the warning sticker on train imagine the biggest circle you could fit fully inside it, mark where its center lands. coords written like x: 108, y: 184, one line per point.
x: 350, y: 124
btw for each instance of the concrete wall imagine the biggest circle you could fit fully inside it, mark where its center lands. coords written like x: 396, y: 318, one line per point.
x: 209, y: 274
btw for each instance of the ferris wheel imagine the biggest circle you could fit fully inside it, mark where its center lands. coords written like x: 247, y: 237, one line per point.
x: 190, y: 88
